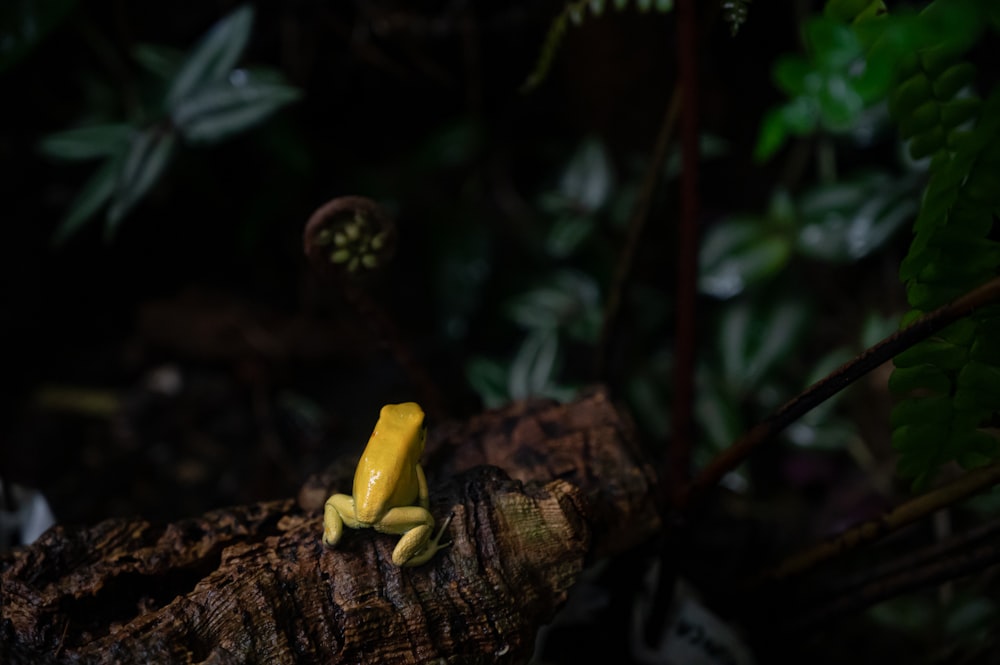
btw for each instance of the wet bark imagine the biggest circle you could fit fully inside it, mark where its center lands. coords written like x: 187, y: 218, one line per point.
x: 534, y: 490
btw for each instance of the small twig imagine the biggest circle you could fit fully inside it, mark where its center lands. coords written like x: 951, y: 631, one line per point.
x: 677, y: 462
x: 936, y: 551
x: 682, y: 401
x: 904, y: 514
x: 636, y: 227
x: 833, y: 383
x: 962, y: 561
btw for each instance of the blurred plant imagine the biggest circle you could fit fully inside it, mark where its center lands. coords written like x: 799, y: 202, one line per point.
x: 206, y: 99
x: 859, y: 57
x: 560, y: 304
x: 574, y: 12
x: 761, y: 324
x: 735, y: 13
x: 24, y: 25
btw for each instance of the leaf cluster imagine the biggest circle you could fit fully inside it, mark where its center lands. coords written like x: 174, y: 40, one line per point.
x: 574, y: 13
x: 861, y: 59
x: 207, y: 99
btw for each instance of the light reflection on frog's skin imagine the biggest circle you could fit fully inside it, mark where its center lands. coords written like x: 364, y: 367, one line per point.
x: 390, y: 489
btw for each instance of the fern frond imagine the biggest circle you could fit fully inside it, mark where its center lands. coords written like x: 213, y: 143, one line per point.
x: 734, y: 14
x: 575, y: 12
x: 948, y: 385
x: 952, y: 252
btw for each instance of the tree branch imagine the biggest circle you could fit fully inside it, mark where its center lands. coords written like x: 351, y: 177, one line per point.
x: 254, y: 584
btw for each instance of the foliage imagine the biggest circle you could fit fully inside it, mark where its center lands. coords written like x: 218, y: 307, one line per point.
x: 24, y: 25
x: 207, y: 99
x: 574, y: 12
x: 850, y: 67
x: 763, y: 322
x: 561, y: 305
x: 735, y: 13
x: 858, y: 57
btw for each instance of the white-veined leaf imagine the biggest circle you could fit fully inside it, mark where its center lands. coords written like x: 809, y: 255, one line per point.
x: 213, y: 57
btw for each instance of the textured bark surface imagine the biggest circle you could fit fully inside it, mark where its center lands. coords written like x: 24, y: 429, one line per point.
x: 254, y: 584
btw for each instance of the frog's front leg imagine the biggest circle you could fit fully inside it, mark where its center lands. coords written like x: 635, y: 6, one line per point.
x: 416, y: 547
x: 338, y: 511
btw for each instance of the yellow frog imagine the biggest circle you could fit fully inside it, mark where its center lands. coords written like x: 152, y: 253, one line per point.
x: 390, y: 489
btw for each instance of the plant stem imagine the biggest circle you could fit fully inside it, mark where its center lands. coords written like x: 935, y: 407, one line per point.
x: 679, y: 455
x: 636, y: 227
x: 964, y: 556
x: 906, y: 513
x: 833, y: 383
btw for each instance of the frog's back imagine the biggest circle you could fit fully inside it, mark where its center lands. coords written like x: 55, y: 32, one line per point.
x: 386, y: 475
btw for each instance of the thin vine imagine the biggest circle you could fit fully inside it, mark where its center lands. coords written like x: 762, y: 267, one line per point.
x: 575, y: 13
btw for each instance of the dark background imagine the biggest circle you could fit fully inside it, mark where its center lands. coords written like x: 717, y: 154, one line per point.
x: 234, y: 373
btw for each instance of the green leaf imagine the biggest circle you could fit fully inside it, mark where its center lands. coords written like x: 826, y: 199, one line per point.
x: 974, y: 449
x: 228, y: 107
x: 566, y: 299
x: 588, y: 179
x: 795, y: 75
x: 773, y: 134
x: 800, y: 115
x: 848, y: 220
x: 839, y: 103
x: 835, y: 46
x: 921, y: 411
x: 489, y: 379
x: 978, y: 387
x: 568, y: 233
x: 533, y: 368
x: 936, y: 352
x: 753, y: 339
x: 924, y: 438
x: 145, y: 161
x: 162, y: 61
x: 738, y: 253
x: 877, y: 327
x: 961, y: 332
x: 213, y: 57
x: 922, y: 378
x: 95, y: 193
x: 90, y: 142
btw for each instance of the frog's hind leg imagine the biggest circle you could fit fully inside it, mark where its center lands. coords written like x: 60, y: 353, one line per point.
x: 338, y: 511
x: 416, y: 525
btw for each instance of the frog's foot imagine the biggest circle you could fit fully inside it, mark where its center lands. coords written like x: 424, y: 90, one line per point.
x: 431, y: 548
x: 338, y: 512
x: 433, y: 543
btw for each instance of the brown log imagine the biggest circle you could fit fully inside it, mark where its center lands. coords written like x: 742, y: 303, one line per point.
x: 254, y: 584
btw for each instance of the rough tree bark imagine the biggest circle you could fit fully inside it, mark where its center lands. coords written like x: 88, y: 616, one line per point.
x: 534, y: 490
